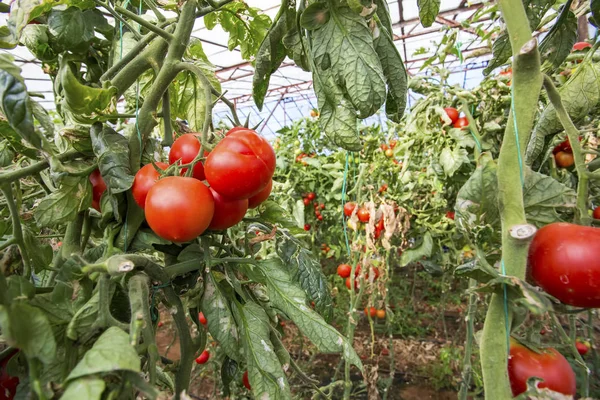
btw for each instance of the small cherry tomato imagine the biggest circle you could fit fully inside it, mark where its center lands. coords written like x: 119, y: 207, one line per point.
x: 311, y: 196
x: 384, y: 147
x: 393, y: 143
x: 564, y: 159
x: 383, y: 188
x: 145, y: 178
x: 98, y: 188
x: 389, y: 153
x: 460, y: 123
x: 372, y: 311
x: 307, y: 227
x: 203, y: 358
x: 363, y: 215
x: 452, y: 113
x: 202, y: 318
x: 381, y: 314
x: 349, y: 208
x: 8, y: 384
x: 306, y: 201
x: 320, y: 217
x: 450, y: 215
x: 246, y: 381
x: 582, y: 347
x: 344, y: 270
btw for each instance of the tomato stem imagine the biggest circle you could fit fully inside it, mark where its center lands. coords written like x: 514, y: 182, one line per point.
x: 17, y: 230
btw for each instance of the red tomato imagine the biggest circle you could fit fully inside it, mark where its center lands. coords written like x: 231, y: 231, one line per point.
x: 203, y: 358
x: 160, y: 324
x: 202, y: 318
x: 450, y: 214
x: 372, y: 311
x: 385, y: 351
x: 144, y: 179
x: 596, y: 213
x: 582, y: 347
x: 581, y: 45
x: 344, y: 270
x: 311, y: 196
x: 320, y: 217
x: 261, y: 196
x: 307, y: 227
x: 322, y: 206
x: 241, y: 165
x: 563, y: 146
x: 306, y: 201
x: 506, y: 72
x: 363, y: 215
x: 384, y: 147
x: 452, y: 113
x: 98, y: 188
x: 549, y: 365
x: 349, y: 283
x: 564, y: 159
x: 383, y: 188
x: 393, y: 143
x: 563, y: 260
x: 246, y: 381
x: 227, y: 212
x: 184, y: 150
x: 349, y: 208
x: 235, y: 129
x: 381, y: 314
x: 380, y: 225
x: 460, y: 123
x: 179, y: 209
x: 8, y: 384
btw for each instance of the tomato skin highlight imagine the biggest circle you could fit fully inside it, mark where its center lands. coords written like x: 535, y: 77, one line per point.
x: 240, y: 165
x: 8, y: 384
x: 460, y: 123
x: 563, y: 260
x: 596, y: 213
x: 349, y: 208
x: 452, y: 113
x: 179, y: 209
x: 261, y: 196
x: 246, y: 381
x: 344, y: 270
x: 184, y: 150
x: 550, y: 366
x: 363, y: 215
x: 227, y: 212
x: 203, y: 358
x: 98, y: 188
x: 564, y: 159
x: 145, y: 178
x: 202, y: 318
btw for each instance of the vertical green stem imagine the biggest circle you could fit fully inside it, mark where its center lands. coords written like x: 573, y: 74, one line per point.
x: 467, y: 371
x: 17, y: 229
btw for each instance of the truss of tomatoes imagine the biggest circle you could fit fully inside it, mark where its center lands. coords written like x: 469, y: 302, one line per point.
x: 238, y: 174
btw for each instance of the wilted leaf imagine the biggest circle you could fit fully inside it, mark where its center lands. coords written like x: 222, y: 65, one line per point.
x: 112, y: 151
x: 82, y: 99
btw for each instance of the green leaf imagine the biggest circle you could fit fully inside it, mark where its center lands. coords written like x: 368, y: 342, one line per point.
x: 69, y: 28
x: 35, y: 38
x: 221, y: 325
x: 290, y: 299
x: 519, y: 292
x: 558, y: 43
x: 57, y: 306
x: 73, y: 196
x: 395, y: 74
x: 15, y: 105
x: 271, y: 52
x: 306, y: 270
x: 111, y: 352
x: 452, y: 159
x: 40, y: 255
x: 595, y: 8
x: 536, y: 9
x: 84, y: 318
x: 418, y: 252
x: 428, y: 11
x: 82, y: 99
x: 543, y: 196
x: 84, y: 388
x: 27, y: 328
x: 112, y: 151
x: 7, y: 155
x: 501, y: 52
x: 314, y: 16
x: 298, y: 213
x: 19, y: 288
x: 272, y: 212
x: 229, y: 369
x: 191, y: 97
x: 343, y: 47
x: 479, y: 271
x: 297, y: 47
x: 265, y: 373
x: 13, y: 138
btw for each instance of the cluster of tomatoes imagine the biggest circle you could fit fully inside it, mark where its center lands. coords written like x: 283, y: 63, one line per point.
x: 299, y: 158
x: 317, y: 206
x: 388, y: 150
x: 374, y: 312
x: 344, y: 271
x: 238, y: 172
x: 563, y: 154
x: 364, y: 215
x: 455, y: 118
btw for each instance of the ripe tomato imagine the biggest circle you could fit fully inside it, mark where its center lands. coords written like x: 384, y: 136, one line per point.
x: 98, y: 188
x: 372, y: 311
x: 320, y: 217
x: 363, y: 215
x: 385, y: 351
x: 393, y: 143
x: 581, y: 45
x: 235, y: 129
x: 452, y: 113
x: 8, y: 384
x: 563, y: 260
x: 307, y: 227
x: 349, y: 283
x: 384, y: 147
x: 145, y: 178
x: 582, y: 347
x: 184, y: 150
x: 261, y: 196
x: 227, y: 212
x: 596, y: 213
x: 240, y: 165
x: 314, y: 113
x: 563, y: 146
x: 460, y: 123
x: 179, y: 208
x: 381, y: 314
x: 306, y: 201
x: 202, y: 318
x: 380, y: 225
x: 389, y: 153
x: 349, y: 208
x: 450, y: 214
x: 549, y: 365
x: 322, y: 206
x: 311, y: 196
x: 564, y: 159
x: 246, y: 381
x: 203, y: 358
x: 344, y: 270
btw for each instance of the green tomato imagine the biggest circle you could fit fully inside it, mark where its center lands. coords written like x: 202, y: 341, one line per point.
x: 297, y: 143
x: 297, y: 152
